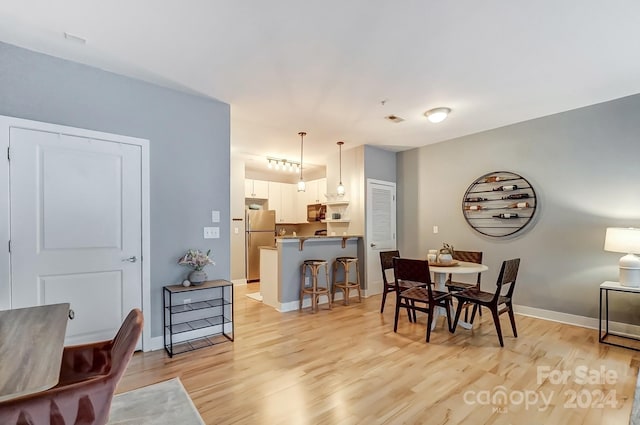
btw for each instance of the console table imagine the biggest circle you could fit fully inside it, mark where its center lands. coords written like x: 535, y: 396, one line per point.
x: 605, y: 288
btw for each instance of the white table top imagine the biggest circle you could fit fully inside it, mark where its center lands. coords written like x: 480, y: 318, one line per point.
x: 616, y: 286
x: 462, y: 267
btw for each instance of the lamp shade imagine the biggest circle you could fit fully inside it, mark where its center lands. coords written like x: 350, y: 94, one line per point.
x: 627, y: 240
x: 622, y: 239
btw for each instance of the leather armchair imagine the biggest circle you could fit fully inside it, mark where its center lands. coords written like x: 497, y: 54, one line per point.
x: 88, y: 377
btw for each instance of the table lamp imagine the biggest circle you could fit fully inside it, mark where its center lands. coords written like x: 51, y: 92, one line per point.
x: 627, y: 240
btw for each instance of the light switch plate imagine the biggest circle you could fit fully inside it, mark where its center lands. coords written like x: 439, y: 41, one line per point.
x: 211, y: 232
x: 435, y: 229
x: 215, y: 216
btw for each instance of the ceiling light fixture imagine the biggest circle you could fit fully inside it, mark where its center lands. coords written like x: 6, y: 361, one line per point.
x: 340, y: 189
x: 282, y: 164
x: 437, y: 115
x: 301, y: 185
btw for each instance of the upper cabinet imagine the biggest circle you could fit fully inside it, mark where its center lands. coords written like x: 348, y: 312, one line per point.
x: 289, y: 204
x: 315, y: 191
x: 256, y: 189
x: 282, y: 199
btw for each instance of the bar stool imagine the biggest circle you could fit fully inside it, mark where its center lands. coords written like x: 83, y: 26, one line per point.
x: 314, y: 290
x: 346, y: 285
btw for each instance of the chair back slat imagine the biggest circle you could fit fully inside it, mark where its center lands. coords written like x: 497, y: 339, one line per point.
x: 469, y: 257
x: 406, y: 269
x: 507, y: 277
x: 386, y: 261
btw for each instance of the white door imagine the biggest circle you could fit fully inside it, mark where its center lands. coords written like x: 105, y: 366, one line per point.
x: 381, y: 229
x: 76, y: 237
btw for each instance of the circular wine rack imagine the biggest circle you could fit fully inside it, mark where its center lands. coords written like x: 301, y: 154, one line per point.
x: 499, y: 204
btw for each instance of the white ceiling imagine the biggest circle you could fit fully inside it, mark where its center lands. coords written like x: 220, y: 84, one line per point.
x: 326, y: 66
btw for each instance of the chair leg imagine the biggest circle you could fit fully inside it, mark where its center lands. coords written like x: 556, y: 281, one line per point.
x: 473, y: 312
x: 496, y: 321
x: 429, y: 320
x: 326, y: 275
x: 395, y: 320
x: 409, y: 313
x: 449, y: 306
x: 453, y: 326
x: 384, y: 299
x: 513, y: 320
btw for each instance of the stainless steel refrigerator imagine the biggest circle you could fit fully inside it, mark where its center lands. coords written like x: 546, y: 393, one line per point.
x: 261, y: 231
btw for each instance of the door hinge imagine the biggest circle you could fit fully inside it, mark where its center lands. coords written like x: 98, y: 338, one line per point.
x: 8, y: 154
x: 9, y: 245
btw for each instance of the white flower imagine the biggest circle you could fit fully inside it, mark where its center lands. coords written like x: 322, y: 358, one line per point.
x: 196, y: 259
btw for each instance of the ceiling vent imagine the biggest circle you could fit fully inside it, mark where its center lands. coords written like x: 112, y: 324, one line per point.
x: 394, y: 118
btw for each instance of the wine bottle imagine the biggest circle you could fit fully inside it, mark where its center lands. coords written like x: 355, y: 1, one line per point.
x: 475, y: 199
x: 492, y: 179
x: 519, y: 205
x: 507, y: 187
x: 506, y: 215
x: 517, y: 196
x: 472, y: 207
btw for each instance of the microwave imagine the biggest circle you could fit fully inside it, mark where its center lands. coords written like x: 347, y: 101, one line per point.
x: 316, y: 212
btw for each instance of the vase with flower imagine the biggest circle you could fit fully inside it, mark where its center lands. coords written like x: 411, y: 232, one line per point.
x: 197, y: 260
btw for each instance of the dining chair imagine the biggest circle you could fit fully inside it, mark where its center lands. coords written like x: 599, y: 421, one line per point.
x: 422, y: 296
x: 496, y: 302
x: 454, y: 286
x: 386, y: 261
x: 89, y: 375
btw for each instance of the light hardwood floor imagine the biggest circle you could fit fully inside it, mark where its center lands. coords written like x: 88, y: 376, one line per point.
x: 346, y: 366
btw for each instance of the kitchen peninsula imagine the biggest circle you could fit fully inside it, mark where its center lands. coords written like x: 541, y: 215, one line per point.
x: 280, y: 266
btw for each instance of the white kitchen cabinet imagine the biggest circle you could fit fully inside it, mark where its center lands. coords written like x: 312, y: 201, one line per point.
x: 283, y: 199
x: 315, y: 191
x: 275, y: 199
x: 256, y: 189
x: 289, y: 203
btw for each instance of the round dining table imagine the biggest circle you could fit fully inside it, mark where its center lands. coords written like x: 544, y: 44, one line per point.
x: 440, y: 278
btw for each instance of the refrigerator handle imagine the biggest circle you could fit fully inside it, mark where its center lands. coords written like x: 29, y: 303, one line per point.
x: 249, y: 240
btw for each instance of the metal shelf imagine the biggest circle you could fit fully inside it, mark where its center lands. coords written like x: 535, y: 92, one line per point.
x: 202, y: 322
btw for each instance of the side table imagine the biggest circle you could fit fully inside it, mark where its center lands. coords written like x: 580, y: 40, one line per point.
x: 197, y: 316
x: 605, y: 288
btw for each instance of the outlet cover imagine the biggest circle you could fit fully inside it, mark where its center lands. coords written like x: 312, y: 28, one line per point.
x: 211, y: 232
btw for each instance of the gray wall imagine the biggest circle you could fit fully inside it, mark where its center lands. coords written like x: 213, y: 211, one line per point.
x: 379, y: 164
x: 583, y: 165
x: 189, y: 145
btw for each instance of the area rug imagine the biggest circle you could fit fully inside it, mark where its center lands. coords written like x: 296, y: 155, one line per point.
x: 164, y: 403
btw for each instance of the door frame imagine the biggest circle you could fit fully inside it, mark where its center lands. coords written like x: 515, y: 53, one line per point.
x: 5, y: 220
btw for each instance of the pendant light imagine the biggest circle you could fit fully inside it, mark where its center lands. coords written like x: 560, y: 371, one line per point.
x: 301, y: 185
x: 340, y: 189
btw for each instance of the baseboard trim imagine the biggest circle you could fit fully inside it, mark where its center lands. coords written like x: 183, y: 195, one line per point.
x: 572, y: 319
x: 157, y: 343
